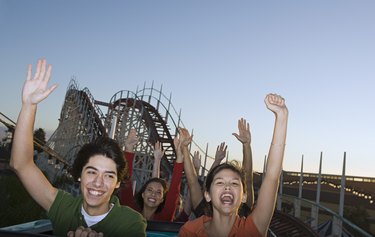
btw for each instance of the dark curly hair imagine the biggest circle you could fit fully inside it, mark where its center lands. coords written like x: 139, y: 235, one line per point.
x: 139, y: 198
x: 101, y: 146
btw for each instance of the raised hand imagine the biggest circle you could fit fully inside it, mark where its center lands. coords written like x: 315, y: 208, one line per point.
x: 276, y: 104
x: 267, y: 194
x: 197, y: 158
x: 185, y: 137
x: 221, y: 152
x: 131, y: 140
x: 35, y: 90
x: 243, y: 135
x: 158, y: 152
x: 183, y: 142
x: 196, y: 194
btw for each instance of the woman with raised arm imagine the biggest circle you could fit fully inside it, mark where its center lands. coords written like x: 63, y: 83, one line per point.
x: 99, y: 167
x: 154, y: 200
x: 225, y: 189
x: 199, y: 204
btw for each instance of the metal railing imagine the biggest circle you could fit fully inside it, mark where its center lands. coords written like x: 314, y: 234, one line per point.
x: 317, y: 215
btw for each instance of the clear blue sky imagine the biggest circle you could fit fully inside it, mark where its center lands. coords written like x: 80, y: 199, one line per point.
x: 218, y: 59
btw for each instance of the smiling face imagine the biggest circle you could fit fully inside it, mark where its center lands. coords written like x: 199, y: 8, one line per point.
x: 226, y: 192
x: 98, y: 182
x: 153, y: 195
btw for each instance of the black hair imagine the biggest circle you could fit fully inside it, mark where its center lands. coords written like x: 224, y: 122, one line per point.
x: 139, y: 198
x: 101, y: 146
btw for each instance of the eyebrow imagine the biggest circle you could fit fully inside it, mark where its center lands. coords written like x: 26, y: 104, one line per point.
x: 156, y: 189
x: 236, y: 178
x: 94, y: 168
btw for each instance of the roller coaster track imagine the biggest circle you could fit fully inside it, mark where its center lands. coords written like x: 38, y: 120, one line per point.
x: 82, y: 120
x: 79, y: 123
x: 11, y: 125
x: 286, y: 225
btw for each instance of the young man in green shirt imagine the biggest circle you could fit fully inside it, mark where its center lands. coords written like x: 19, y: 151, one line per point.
x: 99, y: 167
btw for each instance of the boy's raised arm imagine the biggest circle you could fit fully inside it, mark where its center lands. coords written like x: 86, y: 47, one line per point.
x: 34, y: 91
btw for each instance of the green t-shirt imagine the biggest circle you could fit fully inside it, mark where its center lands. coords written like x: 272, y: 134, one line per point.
x: 121, y: 221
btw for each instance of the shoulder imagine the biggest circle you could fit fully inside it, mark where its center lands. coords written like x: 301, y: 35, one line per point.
x: 66, y: 202
x: 125, y: 212
x: 246, y: 225
x: 129, y: 213
x: 127, y: 220
x: 195, y: 226
x: 65, y: 199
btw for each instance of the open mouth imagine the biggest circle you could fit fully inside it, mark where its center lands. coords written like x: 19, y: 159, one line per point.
x: 227, y: 198
x: 95, y: 193
x: 153, y: 200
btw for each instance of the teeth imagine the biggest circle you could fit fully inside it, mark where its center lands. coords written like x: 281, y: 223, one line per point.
x: 227, y: 198
x: 227, y: 195
x: 95, y: 193
x: 152, y: 200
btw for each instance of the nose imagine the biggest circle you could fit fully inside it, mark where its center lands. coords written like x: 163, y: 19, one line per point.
x: 98, y: 181
x: 154, y: 193
x: 227, y: 187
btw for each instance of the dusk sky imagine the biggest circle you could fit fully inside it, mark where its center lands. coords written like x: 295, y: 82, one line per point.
x: 219, y: 59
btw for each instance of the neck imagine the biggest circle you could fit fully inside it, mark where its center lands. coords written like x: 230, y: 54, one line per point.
x: 220, y: 225
x: 96, y: 211
x: 148, y: 212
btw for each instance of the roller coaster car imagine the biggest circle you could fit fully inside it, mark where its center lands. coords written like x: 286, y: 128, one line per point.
x: 163, y: 229
x: 282, y: 224
x: 44, y: 228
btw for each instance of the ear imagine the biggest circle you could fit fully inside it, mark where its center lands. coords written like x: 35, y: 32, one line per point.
x: 207, y: 196
x: 244, y: 198
x: 118, y: 184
